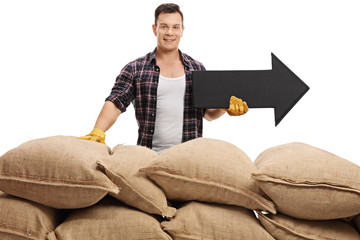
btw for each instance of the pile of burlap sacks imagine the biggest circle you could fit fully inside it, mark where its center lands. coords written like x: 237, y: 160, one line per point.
x: 63, y: 188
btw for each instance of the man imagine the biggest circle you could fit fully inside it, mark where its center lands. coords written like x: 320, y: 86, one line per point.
x: 160, y: 87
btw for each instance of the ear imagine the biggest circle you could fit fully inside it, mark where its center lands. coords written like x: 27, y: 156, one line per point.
x: 182, y: 32
x: 154, y: 29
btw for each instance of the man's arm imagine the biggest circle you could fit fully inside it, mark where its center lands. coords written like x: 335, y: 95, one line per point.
x: 237, y: 107
x: 212, y: 114
x: 107, y: 117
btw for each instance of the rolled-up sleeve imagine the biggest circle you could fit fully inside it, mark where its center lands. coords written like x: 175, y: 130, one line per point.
x: 123, y: 92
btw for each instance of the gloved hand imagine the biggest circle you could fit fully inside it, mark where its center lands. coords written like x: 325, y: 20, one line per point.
x: 96, y: 135
x: 237, y: 107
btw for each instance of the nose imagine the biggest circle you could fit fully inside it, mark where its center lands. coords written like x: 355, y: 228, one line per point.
x: 169, y: 31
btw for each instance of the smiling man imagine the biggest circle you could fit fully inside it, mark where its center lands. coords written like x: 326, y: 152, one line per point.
x: 159, y: 85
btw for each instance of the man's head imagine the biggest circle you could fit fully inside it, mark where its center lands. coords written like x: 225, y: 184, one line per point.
x: 168, y: 27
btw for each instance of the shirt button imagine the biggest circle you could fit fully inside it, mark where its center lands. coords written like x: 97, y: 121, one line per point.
x: 152, y: 114
x: 155, y: 82
x: 151, y: 131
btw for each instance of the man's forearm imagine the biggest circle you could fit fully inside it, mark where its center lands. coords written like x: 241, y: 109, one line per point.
x: 107, y: 117
x: 212, y: 114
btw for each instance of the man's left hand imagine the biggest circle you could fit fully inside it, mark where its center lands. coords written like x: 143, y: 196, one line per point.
x: 237, y: 107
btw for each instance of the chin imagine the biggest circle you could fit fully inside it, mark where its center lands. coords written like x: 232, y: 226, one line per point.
x: 168, y: 48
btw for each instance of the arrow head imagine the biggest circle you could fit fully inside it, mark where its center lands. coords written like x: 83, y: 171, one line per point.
x: 288, y: 91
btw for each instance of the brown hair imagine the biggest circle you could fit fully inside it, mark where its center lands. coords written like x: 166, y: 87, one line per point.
x: 168, y: 8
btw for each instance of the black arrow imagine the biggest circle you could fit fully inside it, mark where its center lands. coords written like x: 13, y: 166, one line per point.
x: 278, y: 88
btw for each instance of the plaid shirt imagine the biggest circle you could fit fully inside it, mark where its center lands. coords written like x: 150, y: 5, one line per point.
x: 138, y: 82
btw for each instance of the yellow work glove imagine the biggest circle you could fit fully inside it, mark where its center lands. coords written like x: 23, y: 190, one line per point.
x: 237, y: 107
x: 96, y: 135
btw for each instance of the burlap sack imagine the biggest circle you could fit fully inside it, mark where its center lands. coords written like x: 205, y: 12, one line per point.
x: 309, y: 183
x: 209, y: 221
x: 286, y: 228
x: 208, y: 170
x: 137, y: 189
x: 57, y: 171
x: 109, y: 220
x: 23, y: 220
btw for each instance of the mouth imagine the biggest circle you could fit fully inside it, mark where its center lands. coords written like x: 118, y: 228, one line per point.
x: 169, y: 40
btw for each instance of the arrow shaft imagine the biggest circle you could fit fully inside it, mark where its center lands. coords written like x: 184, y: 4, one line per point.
x: 254, y: 87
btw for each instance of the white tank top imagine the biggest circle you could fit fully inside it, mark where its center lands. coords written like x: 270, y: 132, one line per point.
x: 169, y: 113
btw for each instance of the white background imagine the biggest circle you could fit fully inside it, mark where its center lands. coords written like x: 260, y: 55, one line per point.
x: 59, y: 60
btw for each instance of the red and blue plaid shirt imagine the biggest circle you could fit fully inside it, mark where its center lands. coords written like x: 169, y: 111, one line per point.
x: 137, y: 83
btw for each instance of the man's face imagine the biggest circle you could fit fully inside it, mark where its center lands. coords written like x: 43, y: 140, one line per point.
x: 169, y: 30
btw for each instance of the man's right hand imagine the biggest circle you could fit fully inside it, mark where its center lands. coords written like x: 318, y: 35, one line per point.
x: 96, y: 135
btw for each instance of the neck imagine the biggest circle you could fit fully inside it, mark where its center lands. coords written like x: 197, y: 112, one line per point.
x: 172, y: 55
